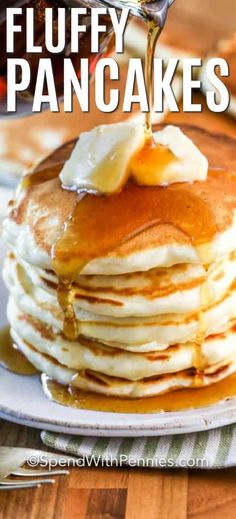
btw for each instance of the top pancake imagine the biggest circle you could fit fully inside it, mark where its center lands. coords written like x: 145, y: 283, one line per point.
x: 194, y: 223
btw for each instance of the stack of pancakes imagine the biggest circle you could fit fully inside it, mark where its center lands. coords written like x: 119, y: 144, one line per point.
x: 156, y: 313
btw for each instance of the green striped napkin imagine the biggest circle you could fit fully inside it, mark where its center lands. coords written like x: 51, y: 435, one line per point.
x: 207, y: 449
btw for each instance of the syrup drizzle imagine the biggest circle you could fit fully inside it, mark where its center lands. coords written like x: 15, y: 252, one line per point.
x: 64, y: 295
x: 206, y: 297
x: 101, y: 223
x: 154, y: 32
x: 11, y: 357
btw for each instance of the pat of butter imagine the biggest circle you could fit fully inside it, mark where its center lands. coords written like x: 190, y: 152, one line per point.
x: 104, y: 158
x: 100, y: 159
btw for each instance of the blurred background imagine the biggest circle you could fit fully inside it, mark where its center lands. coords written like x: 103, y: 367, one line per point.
x: 194, y: 28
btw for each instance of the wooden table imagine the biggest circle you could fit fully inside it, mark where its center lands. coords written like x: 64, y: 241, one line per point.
x: 119, y: 493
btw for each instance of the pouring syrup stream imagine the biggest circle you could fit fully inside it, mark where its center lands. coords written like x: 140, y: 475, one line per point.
x: 153, y: 33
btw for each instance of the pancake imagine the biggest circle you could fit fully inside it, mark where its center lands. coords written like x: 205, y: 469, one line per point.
x: 89, y: 354
x: 199, y: 227
x: 109, y: 385
x: 178, y: 289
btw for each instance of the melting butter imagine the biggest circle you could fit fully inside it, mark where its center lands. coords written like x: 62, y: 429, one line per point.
x: 105, y: 158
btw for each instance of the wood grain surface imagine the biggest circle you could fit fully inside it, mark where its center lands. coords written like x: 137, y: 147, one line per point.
x: 119, y: 493
x: 125, y: 493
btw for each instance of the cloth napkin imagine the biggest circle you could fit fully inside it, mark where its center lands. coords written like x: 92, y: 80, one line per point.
x: 208, y: 449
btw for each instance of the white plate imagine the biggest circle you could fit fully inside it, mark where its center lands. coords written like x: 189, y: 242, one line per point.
x: 22, y: 401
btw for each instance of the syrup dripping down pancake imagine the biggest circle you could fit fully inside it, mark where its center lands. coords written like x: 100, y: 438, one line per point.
x: 137, y: 334
x: 193, y: 223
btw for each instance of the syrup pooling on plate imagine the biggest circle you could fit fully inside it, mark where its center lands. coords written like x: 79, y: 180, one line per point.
x: 179, y: 400
x: 11, y: 357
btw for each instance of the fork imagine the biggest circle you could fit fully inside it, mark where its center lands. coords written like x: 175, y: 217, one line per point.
x: 12, y: 460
